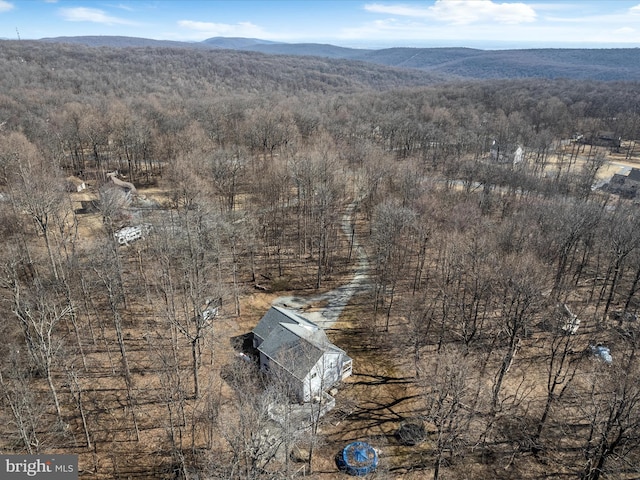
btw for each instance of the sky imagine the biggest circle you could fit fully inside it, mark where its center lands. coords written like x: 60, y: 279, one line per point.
x: 486, y: 24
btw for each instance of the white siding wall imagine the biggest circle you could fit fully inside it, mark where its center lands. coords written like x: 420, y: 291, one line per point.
x: 325, y: 374
x: 332, y: 369
x: 313, y: 382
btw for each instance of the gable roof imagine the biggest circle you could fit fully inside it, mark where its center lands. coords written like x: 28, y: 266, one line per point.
x: 292, y: 341
x: 274, y: 317
x: 634, y: 175
x: 295, y: 356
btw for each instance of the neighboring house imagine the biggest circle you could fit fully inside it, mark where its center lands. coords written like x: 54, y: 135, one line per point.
x: 512, y: 154
x: 296, y: 347
x: 625, y: 185
x: 603, y: 139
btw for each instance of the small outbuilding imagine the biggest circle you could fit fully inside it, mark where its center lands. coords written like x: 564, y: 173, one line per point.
x: 75, y: 184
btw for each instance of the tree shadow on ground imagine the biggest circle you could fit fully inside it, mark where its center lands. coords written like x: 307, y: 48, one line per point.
x: 374, y: 380
x: 375, y: 417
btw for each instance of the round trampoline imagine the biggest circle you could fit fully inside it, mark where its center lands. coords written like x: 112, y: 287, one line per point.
x: 357, y: 459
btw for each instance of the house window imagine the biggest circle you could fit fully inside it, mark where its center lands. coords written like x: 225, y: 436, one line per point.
x: 314, y: 375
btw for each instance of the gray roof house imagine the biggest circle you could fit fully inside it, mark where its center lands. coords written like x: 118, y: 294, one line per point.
x: 625, y: 184
x: 603, y: 139
x: 298, y: 348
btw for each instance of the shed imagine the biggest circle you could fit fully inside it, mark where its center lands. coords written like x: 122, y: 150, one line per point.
x: 75, y: 184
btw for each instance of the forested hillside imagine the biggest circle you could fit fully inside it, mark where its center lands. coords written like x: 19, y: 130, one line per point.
x: 497, y: 288
x: 580, y: 64
x: 594, y: 64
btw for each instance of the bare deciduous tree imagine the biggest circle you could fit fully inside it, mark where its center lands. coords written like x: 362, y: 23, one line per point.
x: 253, y: 438
x: 561, y: 366
x: 25, y: 420
x: 519, y: 290
x: 39, y: 311
x: 612, y: 413
x: 392, y: 235
x: 449, y: 395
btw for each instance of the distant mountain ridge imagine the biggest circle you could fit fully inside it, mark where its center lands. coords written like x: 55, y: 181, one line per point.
x: 618, y: 64
x: 121, y: 42
x: 235, y: 43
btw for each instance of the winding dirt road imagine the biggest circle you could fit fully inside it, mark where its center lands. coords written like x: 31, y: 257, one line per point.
x: 335, y: 300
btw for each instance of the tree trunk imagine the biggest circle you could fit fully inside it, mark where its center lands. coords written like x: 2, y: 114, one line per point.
x: 194, y: 359
x: 54, y: 394
x: 507, y: 360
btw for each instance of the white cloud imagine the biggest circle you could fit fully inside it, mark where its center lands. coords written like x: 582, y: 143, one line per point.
x: 5, y: 6
x: 122, y: 6
x: 241, y: 29
x: 625, y: 31
x: 402, y: 10
x: 94, y: 15
x: 462, y: 12
x: 635, y: 10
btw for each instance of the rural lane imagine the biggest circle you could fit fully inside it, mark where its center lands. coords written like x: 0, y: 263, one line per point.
x: 334, y: 300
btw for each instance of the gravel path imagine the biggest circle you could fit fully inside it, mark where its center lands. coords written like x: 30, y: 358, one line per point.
x: 335, y: 300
